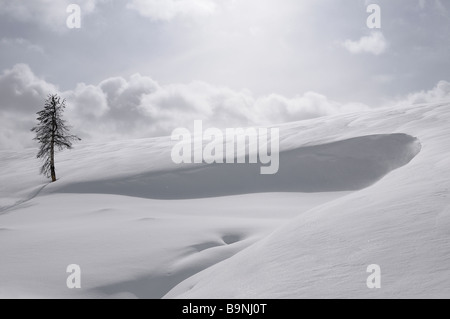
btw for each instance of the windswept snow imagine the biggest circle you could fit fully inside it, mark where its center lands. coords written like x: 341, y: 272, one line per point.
x: 400, y: 223
x: 340, y: 166
x: 352, y: 190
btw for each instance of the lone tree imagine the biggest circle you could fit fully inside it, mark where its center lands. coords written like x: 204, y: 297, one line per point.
x: 52, y: 133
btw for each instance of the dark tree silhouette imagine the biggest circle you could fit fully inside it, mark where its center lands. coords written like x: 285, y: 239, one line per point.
x: 52, y: 133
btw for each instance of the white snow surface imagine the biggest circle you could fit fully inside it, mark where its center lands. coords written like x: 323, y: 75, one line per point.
x: 352, y: 190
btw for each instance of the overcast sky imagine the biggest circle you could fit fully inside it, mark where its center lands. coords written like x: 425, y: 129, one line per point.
x: 144, y: 67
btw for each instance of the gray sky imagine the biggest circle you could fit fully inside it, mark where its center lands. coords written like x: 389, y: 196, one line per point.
x: 143, y: 67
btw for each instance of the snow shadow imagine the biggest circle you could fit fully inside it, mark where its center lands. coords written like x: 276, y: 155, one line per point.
x: 346, y: 165
x: 147, y: 287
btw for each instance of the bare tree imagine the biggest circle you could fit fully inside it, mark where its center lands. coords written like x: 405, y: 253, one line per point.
x: 52, y: 133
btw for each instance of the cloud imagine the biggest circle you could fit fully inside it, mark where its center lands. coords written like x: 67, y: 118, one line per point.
x: 22, y: 95
x: 46, y: 13
x: 375, y: 43
x: 90, y: 100
x: 441, y: 92
x: 21, y: 90
x: 138, y: 106
x: 166, y: 10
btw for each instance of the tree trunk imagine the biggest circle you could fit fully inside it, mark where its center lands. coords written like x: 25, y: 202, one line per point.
x: 52, y: 163
x: 52, y: 146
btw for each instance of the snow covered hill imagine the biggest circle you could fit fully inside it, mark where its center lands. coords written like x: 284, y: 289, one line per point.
x: 352, y: 190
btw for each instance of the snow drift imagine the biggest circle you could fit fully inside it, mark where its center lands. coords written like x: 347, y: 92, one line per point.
x: 352, y: 190
x: 339, y: 166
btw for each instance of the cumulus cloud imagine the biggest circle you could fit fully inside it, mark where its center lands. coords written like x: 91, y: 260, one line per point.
x: 90, y: 100
x: 441, y: 92
x: 138, y: 106
x: 166, y: 10
x: 22, y: 95
x: 47, y: 13
x: 375, y: 43
x: 21, y: 90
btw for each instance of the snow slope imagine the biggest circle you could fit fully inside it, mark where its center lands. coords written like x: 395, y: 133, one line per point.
x: 401, y: 223
x: 352, y: 190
